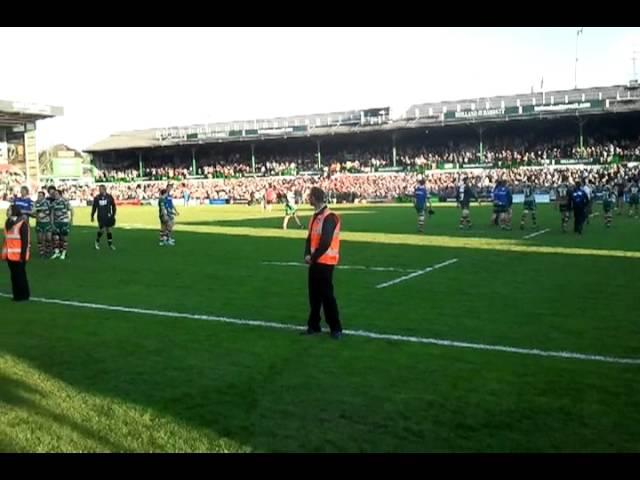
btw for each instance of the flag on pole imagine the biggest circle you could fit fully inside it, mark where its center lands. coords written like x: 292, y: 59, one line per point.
x: 542, y: 83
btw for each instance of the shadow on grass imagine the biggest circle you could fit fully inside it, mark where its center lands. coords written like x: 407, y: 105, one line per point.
x: 19, y: 394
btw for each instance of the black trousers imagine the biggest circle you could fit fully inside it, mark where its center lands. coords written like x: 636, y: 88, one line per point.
x: 321, y: 296
x: 19, y: 283
x: 106, y: 222
x: 579, y: 217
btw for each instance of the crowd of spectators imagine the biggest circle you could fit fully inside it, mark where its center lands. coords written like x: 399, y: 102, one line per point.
x: 357, y: 175
x: 348, y: 188
x: 499, y: 153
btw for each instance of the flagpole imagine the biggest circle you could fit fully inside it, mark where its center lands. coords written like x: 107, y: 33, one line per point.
x: 575, y: 70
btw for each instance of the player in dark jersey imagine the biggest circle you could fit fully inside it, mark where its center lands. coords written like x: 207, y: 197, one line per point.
x: 496, y: 209
x: 51, y: 242
x: 634, y: 198
x: 579, y: 202
x: 620, y: 188
x: 105, y: 206
x: 563, y: 201
x: 421, y: 202
x: 529, y: 204
x: 465, y: 195
x: 509, y: 213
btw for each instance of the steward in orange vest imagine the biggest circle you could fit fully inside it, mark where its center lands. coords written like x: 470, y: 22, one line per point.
x: 322, y: 253
x: 16, y: 252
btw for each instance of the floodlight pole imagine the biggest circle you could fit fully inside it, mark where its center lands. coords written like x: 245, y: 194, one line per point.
x: 581, y: 122
x: 253, y: 158
x: 575, y: 69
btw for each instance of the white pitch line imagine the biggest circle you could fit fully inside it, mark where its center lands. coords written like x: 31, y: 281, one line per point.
x: 535, y: 234
x: 346, y: 267
x: 129, y: 226
x: 419, y: 272
x: 357, y: 333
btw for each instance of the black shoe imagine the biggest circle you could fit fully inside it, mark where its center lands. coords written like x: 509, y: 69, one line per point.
x: 308, y: 331
x: 336, y: 335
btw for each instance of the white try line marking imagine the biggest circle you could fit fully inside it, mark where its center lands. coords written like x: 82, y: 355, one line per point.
x: 419, y: 272
x: 535, y: 234
x: 357, y: 333
x: 346, y: 267
x: 129, y: 226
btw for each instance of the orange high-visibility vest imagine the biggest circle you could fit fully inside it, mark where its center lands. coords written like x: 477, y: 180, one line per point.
x: 332, y: 255
x: 12, y: 246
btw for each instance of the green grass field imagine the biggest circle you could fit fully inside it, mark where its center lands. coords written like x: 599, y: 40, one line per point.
x: 75, y: 378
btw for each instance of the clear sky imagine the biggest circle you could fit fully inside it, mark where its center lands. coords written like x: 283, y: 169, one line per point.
x: 115, y: 79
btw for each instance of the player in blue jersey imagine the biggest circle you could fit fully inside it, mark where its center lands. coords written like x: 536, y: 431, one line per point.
x: 163, y: 216
x: 167, y: 212
x: 421, y: 201
x: 25, y: 203
x: 501, y: 204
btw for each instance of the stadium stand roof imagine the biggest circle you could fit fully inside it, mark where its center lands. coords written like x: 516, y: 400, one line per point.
x: 20, y: 113
x: 435, y: 109
x: 245, y: 130
x: 587, y: 101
